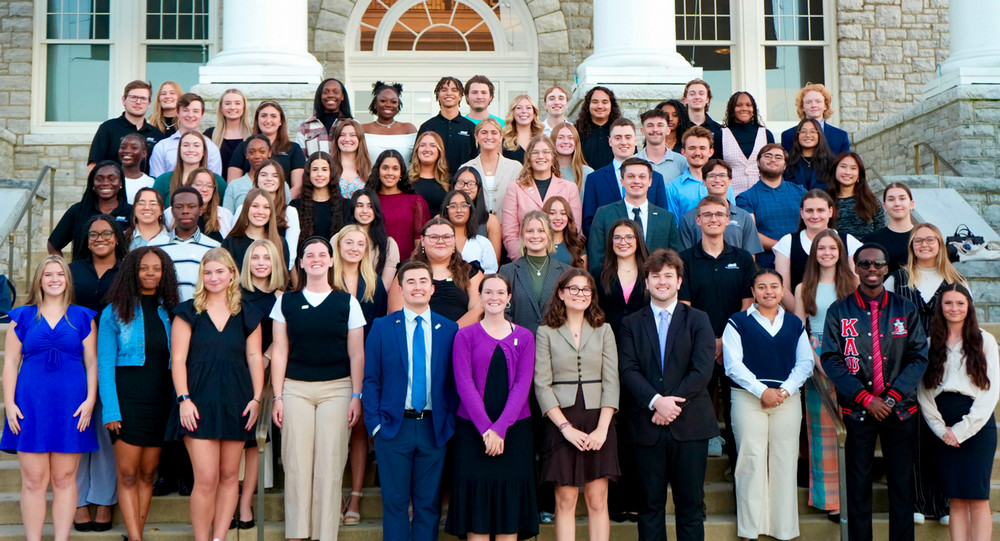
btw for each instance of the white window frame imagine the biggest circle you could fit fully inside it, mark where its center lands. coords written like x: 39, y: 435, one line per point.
x: 747, y: 61
x: 127, y: 40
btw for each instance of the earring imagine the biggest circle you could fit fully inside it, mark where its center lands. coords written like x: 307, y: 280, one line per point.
x: 508, y: 305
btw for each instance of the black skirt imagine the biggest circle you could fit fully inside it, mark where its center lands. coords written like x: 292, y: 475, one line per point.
x: 965, y: 470
x: 565, y: 465
x: 493, y: 494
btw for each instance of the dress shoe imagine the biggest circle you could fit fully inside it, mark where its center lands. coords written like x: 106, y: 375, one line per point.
x: 101, y: 526
x: 84, y: 526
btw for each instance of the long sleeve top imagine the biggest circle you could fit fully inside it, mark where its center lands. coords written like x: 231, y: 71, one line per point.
x: 956, y: 380
x: 471, y: 356
x: 737, y: 370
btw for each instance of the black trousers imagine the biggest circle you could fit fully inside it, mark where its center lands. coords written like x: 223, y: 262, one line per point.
x: 681, y: 466
x: 898, y: 438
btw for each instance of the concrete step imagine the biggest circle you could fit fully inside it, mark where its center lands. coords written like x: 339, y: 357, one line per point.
x: 813, y: 527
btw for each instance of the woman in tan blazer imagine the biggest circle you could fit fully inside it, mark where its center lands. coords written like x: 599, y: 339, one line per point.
x: 538, y: 182
x: 576, y: 384
x: 498, y: 172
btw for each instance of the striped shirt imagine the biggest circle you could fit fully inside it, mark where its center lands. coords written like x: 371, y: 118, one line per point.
x: 187, y: 254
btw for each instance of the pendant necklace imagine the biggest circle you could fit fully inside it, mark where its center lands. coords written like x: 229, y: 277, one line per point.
x: 538, y: 270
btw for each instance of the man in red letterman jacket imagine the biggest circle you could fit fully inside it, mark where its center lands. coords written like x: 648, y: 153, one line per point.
x: 876, y: 383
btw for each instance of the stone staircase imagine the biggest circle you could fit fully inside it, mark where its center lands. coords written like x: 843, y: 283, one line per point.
x: 169, y: 516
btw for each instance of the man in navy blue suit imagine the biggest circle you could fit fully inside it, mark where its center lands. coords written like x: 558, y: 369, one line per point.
x: 813, y: 101
x: 604, y: 186
x: 410, y: 401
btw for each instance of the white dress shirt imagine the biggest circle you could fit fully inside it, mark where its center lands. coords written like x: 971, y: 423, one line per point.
x: 732, y: 353
x: 643, y: 218
x: 656, y: 323
x: 411, y: 326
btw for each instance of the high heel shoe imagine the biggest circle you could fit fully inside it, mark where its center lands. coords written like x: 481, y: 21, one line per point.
x: 352, y: 518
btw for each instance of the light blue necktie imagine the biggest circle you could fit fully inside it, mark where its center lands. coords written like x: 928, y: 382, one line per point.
x: 418, y: 397
x: 662, y: 332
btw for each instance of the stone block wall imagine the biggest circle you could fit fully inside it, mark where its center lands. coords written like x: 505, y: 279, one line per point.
x: 887, y: 50
x: 7, y: 143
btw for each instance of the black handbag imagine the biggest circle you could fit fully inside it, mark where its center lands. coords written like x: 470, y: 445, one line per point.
x: 963, y: 235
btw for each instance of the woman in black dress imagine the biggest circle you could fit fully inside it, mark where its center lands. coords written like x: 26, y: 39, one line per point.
x: 218, y: 376
x: 428, y: 171
x: 456, y: 283
x: 256, y: 221
x: 321, y: 208
x: 133, y: 365
x: 494, y: 482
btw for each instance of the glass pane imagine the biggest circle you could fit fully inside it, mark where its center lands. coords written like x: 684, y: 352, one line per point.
x: 401, y: 38
x: 793, y: 20
x: 789, y: 68
x: 702, y: 19
x: 77, y: 83
x: 174, y: 63
x: 442, y: 38
x: 716, y: 62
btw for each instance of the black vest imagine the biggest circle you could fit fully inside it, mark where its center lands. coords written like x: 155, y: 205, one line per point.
x: 317, y: 336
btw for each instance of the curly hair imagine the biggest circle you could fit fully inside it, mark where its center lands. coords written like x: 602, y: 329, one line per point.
x: 972, y: 344
x: 306, y: 201
x: 555, y: 309
x: 609, y: 270
x: 510, y: 125
x: 576, y: 245
x: 584, y: 123
x: 814, y: 87
x: 233, y: 295
x: 441, y: 174
x: 126, y: 291
x: 458, y: 267
x: 375, y: 179
x: 730, y: 118
x: 279, y: 204
x: 377, y: 89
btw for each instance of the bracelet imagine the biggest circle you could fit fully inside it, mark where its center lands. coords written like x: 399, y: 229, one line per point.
x: 356, y: 395
x: 564, y: 425
x: 256, y: 400
x: 268, y: 357
x: 276, y: 398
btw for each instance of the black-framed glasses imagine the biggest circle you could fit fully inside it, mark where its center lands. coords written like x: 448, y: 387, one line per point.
x: 103, y: 235
x: 586, y: 291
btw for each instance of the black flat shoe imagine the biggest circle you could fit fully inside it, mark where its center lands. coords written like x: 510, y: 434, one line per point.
x: 84, y: 526
x: 618, y: 516
x: 233, y: 523
x: 247, y: 525
x: 101, y: 526
x: 833, y: 517
x: 633, y: 516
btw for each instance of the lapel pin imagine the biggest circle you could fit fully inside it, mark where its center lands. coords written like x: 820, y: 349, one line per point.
x: 397, y: 321
x: 515, y: 341
x: 438, y: 326
x: 305, y: 306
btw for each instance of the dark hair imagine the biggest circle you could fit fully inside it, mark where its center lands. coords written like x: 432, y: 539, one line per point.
x: 843, y: 277
x: 242, y: 222
x: 656, y: 112
x: 126, y: 291
x: 375, y: 179
x: 622, y: 121
x: 345, y: 104
x: 972, y: 343
x: 818, y: 194
x: 189, y: 98
x: 479, y: 203
x: 609, y: 268
x: 712, y: 200
x: 280, y: 208
x: 713, y: 163
x: 697, y: 131
x: 822, y: 155
x: 377, y: 89
x: 186, y: 189
x: 663, y: 257
x: 865, y: 202
x: 899, y: 185
x: 449, y: 79
x: 871, y: 245
x: 407, y: 266
x: 731, y: 109
x: 376, y: 229
x: 472, y: 225
x: 683, y: 120
x: 481, y: 79
x: 256, y: 137
x: 702, y: 82
x: 769, y: 147
x: 575, y: 243
x: 143, y: 145
x: 281, y: 141
x: 306, y: 202
x: 555, y: 309
x: 584, y: 123
x: 134, y: 222
x: 460, y: 269
x: 764, y: 271
x: 145, y: 85
x: 636, y: 161
x: 89, y: 198
x: 121, y: 247
x: 300, y: 272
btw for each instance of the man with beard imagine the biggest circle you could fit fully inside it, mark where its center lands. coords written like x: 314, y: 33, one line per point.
x: 773, y: 203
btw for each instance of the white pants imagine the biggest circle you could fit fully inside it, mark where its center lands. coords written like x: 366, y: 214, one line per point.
x: 767, y: 448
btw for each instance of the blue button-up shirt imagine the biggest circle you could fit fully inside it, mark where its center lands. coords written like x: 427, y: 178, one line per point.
x: 685, y: 192
x: 776, y: 210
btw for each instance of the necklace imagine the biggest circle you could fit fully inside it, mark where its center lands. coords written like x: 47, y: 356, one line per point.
x: 808, y: 161
x: 386, y: 126
x: 538, y: 270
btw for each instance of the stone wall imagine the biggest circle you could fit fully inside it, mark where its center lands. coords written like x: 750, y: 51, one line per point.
x: 887, y: 50
x: 15, y: 65
x: 7, y: 142
x: 960, y: 123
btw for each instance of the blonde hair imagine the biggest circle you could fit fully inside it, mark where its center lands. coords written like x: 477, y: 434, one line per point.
x: 233, y: 296
x: 35, y: 292
x: 542, y: 217
x: 441, y: 173
x: 814, y: 87
x: 941, y: 264
x: 279, y: 274
x: 246, y: 124
x: 365, y: 267
x: 510, y: 126
x: 578, y: 161
x: 156, y: 117
x: 525, y: 177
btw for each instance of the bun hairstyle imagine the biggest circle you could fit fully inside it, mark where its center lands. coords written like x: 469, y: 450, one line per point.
x: 377, y: 89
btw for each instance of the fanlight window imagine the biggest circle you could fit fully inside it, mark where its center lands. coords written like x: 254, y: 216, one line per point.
x: 440, y: 25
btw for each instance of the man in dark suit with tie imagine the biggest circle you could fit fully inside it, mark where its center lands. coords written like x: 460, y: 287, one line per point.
x: 410, y: 402
x: 604, y: 185
x: 659, y: 226
x: 666, y: 354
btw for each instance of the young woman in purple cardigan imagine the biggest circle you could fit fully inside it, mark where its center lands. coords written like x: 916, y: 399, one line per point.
x: 494, y: 485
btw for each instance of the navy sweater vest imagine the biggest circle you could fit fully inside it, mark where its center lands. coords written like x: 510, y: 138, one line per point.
x: 770, y: 358
x: 317, y: 337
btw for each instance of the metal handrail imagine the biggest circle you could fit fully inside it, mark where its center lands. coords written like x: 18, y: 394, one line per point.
x: 874, y: 174
x: 937, y: 160
x: 263, y: 428
x: 826, y: 393
x: 25, y: 209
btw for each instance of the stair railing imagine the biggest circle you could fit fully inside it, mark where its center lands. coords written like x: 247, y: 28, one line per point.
x: 938, y: 160
x: 263, y: 428
x: 826, y: 393
x: 26, y: 208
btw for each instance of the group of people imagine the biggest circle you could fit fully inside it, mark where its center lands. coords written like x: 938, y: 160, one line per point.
x: 509, y: 310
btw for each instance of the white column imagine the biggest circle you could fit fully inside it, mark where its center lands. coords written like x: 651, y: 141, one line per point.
x: 635, y: 43
x: 975, y: 46
x: 264, y: 41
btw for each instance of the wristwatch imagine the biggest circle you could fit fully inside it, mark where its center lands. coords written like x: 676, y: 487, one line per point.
x: 891, y: 402
x: 356, y: 395
x: 182, y: 398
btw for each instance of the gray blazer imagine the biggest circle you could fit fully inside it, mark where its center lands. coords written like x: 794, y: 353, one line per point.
x: 560, y: 367
x: 524, y: 309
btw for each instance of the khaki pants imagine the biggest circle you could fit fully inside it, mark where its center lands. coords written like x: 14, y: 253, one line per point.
x: 314, y: 439
x: 767, y: 451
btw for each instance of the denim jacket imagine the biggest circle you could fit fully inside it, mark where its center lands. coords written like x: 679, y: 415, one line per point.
x: 120, y: 344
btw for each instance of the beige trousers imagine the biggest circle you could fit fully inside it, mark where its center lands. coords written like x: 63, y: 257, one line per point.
x: 767, y: 449
x: 314, y: 439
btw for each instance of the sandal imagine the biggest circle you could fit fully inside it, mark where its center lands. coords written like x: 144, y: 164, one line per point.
x: 352, y: 518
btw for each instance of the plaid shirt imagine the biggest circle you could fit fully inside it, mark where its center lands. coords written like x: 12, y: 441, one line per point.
x: 313, y: 137
x: 776, y: 210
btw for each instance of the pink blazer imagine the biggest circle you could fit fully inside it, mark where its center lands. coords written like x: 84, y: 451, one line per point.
x: 520, y: 201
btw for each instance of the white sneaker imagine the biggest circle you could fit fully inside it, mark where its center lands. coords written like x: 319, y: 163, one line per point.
x: 945, y: 520
x: 715, y: 446
x: 918, y: 518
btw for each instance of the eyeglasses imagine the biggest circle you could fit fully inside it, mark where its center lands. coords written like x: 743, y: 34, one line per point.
x: 774, y: 157
x: 150, y: 204
x: 137, y: 99
x: 460, y: 206
x: 930, y: 241
x: 712, y: 176
x: 465, y: 183
x: 203, y: 186
x: 103, y: 235
x: 626, y: 238
x: 439, y: 239
x: 578, y: 291
x: 541, y: 152
x: 869, y: 263
x: 808, y: 132
x: 716, y: 215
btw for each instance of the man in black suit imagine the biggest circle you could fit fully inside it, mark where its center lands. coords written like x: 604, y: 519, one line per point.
x: 666, y: 354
